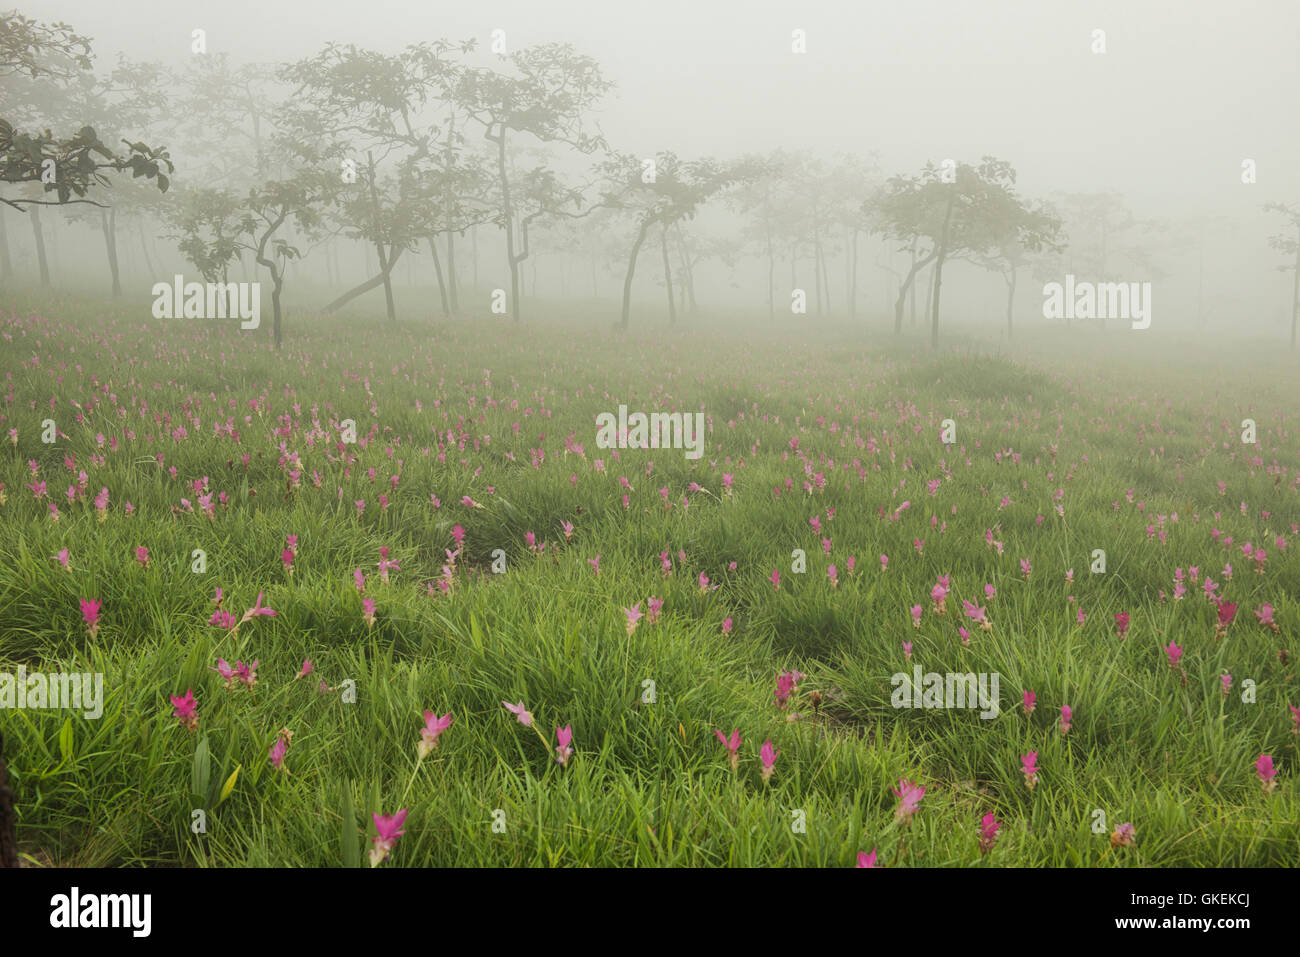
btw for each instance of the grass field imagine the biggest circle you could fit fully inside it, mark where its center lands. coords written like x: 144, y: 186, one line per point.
x: 478, y: 436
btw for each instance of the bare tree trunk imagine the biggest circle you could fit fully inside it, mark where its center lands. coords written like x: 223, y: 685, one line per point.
x: 144, y: 247
x: 371, y: 283
x: 437, y: 268
x: 905, y: 287
x: 1011, y: 298
x: 508, y: 216
x: 631, y: 269
x: 668, y: 274
x: 108, y: 224
x: 452, y: 294
x: 938, y: 271
x: 6, y: 265
x: 39, y: 234
x: 8, y: 818
x: 384, y: 267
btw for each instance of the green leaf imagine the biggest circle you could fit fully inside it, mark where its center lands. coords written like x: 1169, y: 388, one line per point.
x: 201, y: 770
x: 348, y: 826
x: 229, y: 785
x: 65, y: 740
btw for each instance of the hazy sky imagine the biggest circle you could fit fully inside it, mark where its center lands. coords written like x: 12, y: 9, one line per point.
x: 1186, y: 90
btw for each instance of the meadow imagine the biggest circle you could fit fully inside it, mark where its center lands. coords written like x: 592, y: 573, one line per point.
x: 519, y: 649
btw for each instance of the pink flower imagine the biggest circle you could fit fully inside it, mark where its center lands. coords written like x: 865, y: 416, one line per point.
x: 726, y: 625
x: 916, y: 616
x: 359, y: 580
x: 909, y: 796
x: 142, y: 556
x: 1121, y: 623
x: 278, y: 751
x: 787, y: 682
x: 633, y: 616
x: 1030, y: 769
x: 595, y: 564
x: 306, y: 669
x: 1066, y: 716
x: 884, y: 562
x: 775, y: 579
x: 965, y: 635
x: 1264, y: 613
x: 768, y: 755
x: 989, y: 591
x: 1025, y: 567
x: 226, y: 672
x: 732, y: 746
x: 1225, y: 680
x: 520, y: 713
x: 654, y: 606
x: 185, y: 709
x: 988, y: 832
x: 90, y: 614
x: 1124, y: 836
x: 368, y: 611
x: 433, y: 726
x: 1295, y: 719
x: 564, y: 737
x: 388, y: 830
x: 1265, y: 771
x: 1029, y: 698
x: 867, y: 860
x: 63, y: 560
x: 907, y: 650
x: 1173, y: 651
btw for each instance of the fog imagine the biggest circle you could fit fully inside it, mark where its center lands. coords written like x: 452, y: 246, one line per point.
x: 1183, y: 95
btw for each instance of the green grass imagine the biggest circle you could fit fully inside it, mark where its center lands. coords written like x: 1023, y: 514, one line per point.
x: 649, y: 783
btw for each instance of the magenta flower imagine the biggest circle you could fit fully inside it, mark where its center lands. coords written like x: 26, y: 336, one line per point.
x: 1124, y: 836
x: 1265, y: 615
x: 775, y: 579
x: 142, y: 556
x: 433, y: 726
x: 1121, y: 623
x: 907, y: 650
x: 90, y: 614
x: 732, y: 745
x: 1030, y: 769
x: 186, y: 710
x: 726, y: 625
x: 388, y: 830
x: 520, y: 712
x: 595, y: 564
x: 226, y: 672
x: 1295, y: 719
x: 564, y: 737
x: 1173, y: 651
x: 988, y: 832
x: 63, y: 561
x: 1029, y: 698
x: 277, y: 752
x: 916, y: 616
x: 768, y: 755
x: 368, y: 611
x: 867, y: 860
x: 1226, y: 681
x: 1066, y: 716
x: 1265, y: 771
x: 909, y: 796
x: 884, y: 562
x: 655, y: 605
x: 306, y: 669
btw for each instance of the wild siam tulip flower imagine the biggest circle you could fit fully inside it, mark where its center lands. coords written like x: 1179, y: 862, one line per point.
x: 306, y: 669
x: 433, y: 727
x: 1121, y: 623
x: 988, y: 832
x: 654, y: 607
x: 1295, y: 719
x: 965, y: 636
x: 916, y: 616
x: 768, y: 755
x: 1067, y: 716
x: 909, y: 796
x: 90, y: 614
x: 787, y: 683
x: 1174, y: 652
x: 277, y: 752
x: 63, y: 561
x: 726, y: 625
x: 1030, y: 769
x: 564, y: 737
x: 520, y: 712
x: 775, y: 579
x: 388, y: 830
x: 368, y: 611
x: 732, y: 745
x: 633, y: 616
x: 142, y: 556
x: 1124, y: 836
x: 1265, y: 615
x: 1226, y: 681
x: 595, y: 564
x: 186, y: 710
x: 867, y: 860
x: 1265, y: 771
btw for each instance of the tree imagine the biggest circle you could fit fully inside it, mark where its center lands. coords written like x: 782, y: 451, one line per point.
x: 673, y: 193
x: 1020, y: 230
x: 1290, y: 246
x: 548, y: 97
